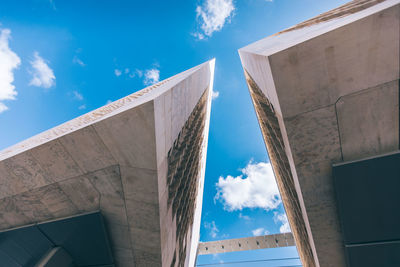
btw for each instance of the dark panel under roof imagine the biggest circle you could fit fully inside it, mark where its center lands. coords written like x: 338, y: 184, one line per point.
x: 83, y: 237
x: 368, y: 198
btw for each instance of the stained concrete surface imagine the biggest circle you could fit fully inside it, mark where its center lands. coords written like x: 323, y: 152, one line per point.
x: 333, y: 85
x: 112, y: 159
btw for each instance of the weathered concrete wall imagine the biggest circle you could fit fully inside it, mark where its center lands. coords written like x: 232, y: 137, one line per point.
x: 113, y: 160
x: 335, y: 89
x: 173, y: 114
x: 276, y: 150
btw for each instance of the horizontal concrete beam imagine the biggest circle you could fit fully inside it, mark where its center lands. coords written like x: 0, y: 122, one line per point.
x: 247, y: 243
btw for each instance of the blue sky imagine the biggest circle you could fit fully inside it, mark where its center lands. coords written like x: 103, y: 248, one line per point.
x: 60, y: 59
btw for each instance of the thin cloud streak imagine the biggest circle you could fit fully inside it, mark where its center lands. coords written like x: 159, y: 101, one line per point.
x: 213, y: 229
x: 77, y: 95
x: 78, y: 61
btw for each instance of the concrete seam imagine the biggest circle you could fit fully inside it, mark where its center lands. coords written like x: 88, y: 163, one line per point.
x: 338, y: 128
x: 66, y: 195
x: 63, y: 180
x: 98, y: 192
x: 69, y: 154
x: 339, y: 98
x: 102, y: 141
x: 44, y: 234
x: 366, y: 89
x: 127, y: 219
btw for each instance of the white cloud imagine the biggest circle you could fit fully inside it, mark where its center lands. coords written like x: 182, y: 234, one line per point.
x: 117, y: 72
x: 3, y: 107
x: 257, y: 189
x: 282, y: 218
x: 78, y: 61
x: 77, y: 95
x: 126, y: 70
x: 151, y: 76
x: 213, y: 15
x: 43, y: 75
x: 9, y: 61
x: 212, y: 228
x: 214, y: 94
x: 82, y: 106
x: 260, y: 231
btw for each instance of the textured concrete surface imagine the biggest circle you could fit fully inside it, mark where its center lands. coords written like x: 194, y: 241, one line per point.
x: 274, y: 142
x: 247, y: 243
x: 333, y: 83
x: 115, y: 159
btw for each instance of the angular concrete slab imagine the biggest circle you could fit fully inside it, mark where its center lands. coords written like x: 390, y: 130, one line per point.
x: 326, y: 91
x: 124, y: 160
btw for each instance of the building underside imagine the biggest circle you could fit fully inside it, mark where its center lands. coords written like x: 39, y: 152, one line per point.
x: 134, y: 167
x: 326, y: 95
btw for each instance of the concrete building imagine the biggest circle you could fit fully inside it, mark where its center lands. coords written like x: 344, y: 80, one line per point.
x: 129, y: 174
x: 326, y: 94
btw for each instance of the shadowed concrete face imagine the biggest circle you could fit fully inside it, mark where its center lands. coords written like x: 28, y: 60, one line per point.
x: 115, y: 159
x: 333, y: 85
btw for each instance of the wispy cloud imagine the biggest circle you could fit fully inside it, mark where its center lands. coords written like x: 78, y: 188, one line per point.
x: 82, y: 106
x: 139, y: 73
x: 259, y: 231
x: 53, y: 5
x: 244, y: 217
x: 282, y: 219
x: 214, y: 95
x: 8, y: 63
x: 255, y: 188
x: 77, y: 95
x: 212, y: 16
x: 151, y: 76
x: 117, y: 72
x: 43, y: 75
x: 78, y: 61
x: 212, y: 228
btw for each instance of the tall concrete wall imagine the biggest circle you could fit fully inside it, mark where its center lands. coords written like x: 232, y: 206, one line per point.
x: 116, y: 159
x: 334, y: 87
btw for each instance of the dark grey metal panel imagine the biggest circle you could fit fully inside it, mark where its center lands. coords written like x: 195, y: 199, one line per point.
x: 373, y: 255
x: 24, y: 245
x: 7, y: 261
x: 83, y: 237
x: 368, y: 198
